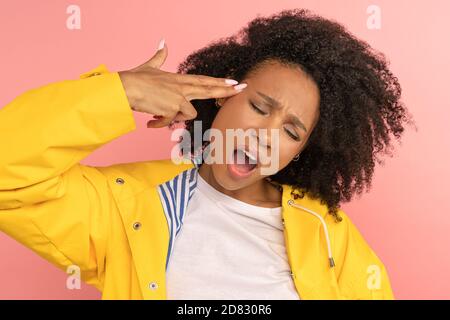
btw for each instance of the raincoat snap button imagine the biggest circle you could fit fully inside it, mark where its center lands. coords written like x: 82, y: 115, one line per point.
x: 120, y: 181
x: 137, y: 225
x: 95, y: 74
x: 153, y: 285
x: 282, y: 221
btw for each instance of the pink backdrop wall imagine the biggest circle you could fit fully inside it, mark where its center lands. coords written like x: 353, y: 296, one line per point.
x: 406, y: 215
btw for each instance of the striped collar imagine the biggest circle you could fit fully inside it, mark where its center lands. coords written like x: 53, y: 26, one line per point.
x: 175, y: 195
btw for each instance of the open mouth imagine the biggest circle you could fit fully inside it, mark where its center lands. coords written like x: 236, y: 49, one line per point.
x: 243, y: 163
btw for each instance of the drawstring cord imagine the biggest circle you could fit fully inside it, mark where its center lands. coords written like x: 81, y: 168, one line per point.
x: 325, y: 228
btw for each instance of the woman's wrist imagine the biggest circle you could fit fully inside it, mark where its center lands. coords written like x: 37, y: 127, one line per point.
x: 127, y: 84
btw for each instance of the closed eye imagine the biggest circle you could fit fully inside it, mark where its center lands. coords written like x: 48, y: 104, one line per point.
x: 257, y: 109
x: 293, y: 136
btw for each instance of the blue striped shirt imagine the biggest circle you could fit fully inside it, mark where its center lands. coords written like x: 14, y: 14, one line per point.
x: 175, y: 195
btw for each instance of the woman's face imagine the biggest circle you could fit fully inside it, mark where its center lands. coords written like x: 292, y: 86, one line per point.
x: 295, y: 118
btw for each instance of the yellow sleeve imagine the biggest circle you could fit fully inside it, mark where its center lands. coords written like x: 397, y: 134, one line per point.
x: 48, y: 201
x: 363, y: 275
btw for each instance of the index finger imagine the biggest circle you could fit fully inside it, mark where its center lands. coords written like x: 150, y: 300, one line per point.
x: 204, y: 80
x: 208, y: 92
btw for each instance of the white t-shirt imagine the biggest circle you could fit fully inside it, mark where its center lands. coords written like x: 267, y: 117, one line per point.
x: 229, y: 249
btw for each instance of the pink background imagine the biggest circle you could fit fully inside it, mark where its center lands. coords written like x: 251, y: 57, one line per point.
x: 406, y: 215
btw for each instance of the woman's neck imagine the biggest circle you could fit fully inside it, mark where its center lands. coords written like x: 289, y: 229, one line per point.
x: 261, y: 193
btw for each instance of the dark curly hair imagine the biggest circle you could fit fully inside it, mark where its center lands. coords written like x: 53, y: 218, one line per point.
x: 360, y: 107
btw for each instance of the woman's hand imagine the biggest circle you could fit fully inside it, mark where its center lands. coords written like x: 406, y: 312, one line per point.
x: 166, y: 95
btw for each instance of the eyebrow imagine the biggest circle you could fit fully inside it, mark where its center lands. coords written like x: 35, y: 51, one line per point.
x: 271, y: 102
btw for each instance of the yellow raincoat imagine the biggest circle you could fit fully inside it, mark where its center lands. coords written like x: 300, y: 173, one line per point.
x: 109, y: 221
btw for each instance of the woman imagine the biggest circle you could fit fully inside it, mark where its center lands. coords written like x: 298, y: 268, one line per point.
x: 161, y: 230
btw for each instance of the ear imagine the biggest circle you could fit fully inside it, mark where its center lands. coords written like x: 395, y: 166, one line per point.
x: 221, y: 101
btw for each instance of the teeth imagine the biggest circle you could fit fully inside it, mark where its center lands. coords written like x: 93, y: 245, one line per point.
x: 249, y: 155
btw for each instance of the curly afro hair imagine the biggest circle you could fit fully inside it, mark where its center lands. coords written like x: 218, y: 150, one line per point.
x: 360, y: 107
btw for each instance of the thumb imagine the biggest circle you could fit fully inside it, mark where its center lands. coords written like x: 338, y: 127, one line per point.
x: 159, y: 57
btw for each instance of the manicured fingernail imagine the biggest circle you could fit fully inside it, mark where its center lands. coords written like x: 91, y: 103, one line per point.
x: 161, y: 44
x: 240, y: 86
x: 231, y: 81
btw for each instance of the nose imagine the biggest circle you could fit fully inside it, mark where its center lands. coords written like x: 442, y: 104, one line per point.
x: 270, y: 133
x: 263, y: 136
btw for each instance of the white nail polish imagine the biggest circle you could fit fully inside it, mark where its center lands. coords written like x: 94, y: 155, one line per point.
x: 240, y: 86
x: 231, y: 81
x: 161, y: 44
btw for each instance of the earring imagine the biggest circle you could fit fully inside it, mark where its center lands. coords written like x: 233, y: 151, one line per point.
x: 296, y: 157
x: 217, y: 104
